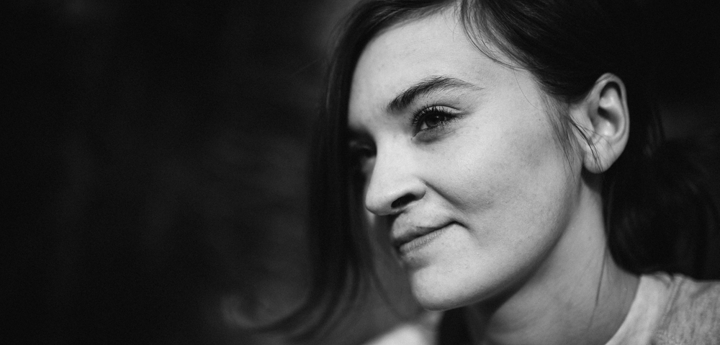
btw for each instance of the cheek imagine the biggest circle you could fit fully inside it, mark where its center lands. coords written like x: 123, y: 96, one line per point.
x: 500, y: 168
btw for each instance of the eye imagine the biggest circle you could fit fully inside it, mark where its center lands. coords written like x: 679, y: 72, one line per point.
x: 431, y: 118
x: 361, y: 155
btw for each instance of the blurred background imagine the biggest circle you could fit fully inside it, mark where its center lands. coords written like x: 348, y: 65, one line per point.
x: 154, y: 179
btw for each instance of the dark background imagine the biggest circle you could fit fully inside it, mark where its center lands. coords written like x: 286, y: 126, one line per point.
x: 155, y: 161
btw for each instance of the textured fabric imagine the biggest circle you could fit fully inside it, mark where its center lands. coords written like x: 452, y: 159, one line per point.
x: 646, y: 311
x: 672, y: 310
x: 692, y: 314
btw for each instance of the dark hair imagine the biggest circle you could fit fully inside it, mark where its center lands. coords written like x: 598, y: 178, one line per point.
x: 649, y: 194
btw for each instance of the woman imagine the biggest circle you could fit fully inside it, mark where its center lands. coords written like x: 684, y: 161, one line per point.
x: 508, y: 151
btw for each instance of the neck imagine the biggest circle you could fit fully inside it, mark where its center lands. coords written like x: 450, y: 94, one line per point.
x: 577, y: 296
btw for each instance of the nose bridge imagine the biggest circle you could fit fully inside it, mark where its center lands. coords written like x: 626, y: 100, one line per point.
x: 394, y: 183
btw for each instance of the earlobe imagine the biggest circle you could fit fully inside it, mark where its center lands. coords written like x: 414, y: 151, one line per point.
x: 604, y: 121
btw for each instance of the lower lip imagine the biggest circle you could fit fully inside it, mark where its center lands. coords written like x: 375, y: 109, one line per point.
x: 421, y: 241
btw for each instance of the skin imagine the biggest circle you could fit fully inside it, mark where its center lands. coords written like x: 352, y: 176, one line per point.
x: 512, y: 226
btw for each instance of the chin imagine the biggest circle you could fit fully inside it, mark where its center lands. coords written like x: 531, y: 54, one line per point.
x: 440, y: 296
x: 440, y: 302
x: 440, y: 290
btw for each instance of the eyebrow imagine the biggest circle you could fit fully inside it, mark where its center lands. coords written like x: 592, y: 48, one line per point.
x: 424, y: 87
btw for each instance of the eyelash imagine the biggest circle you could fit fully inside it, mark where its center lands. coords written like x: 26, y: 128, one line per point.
x: 361, y: 151
x: 434, y: 111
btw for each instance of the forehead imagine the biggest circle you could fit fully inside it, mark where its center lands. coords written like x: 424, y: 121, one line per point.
x: 406, y: 53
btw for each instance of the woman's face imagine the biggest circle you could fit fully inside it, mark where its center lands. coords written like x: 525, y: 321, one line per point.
x: 464, y: 172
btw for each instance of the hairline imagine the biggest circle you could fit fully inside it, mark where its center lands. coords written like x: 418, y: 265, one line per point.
x: 556, y: 109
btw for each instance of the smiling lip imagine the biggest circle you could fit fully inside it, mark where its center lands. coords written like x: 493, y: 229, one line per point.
x: 416, y: 238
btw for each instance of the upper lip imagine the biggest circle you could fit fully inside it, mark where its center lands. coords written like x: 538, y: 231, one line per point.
x: 410, y: 233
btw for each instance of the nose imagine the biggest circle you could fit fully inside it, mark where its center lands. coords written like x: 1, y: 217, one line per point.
x: 393, y: 185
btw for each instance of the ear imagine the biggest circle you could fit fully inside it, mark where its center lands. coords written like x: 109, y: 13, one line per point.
x: 603, y: 119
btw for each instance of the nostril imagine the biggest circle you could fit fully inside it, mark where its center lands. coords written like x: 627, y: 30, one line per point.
x: 402, y: 201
